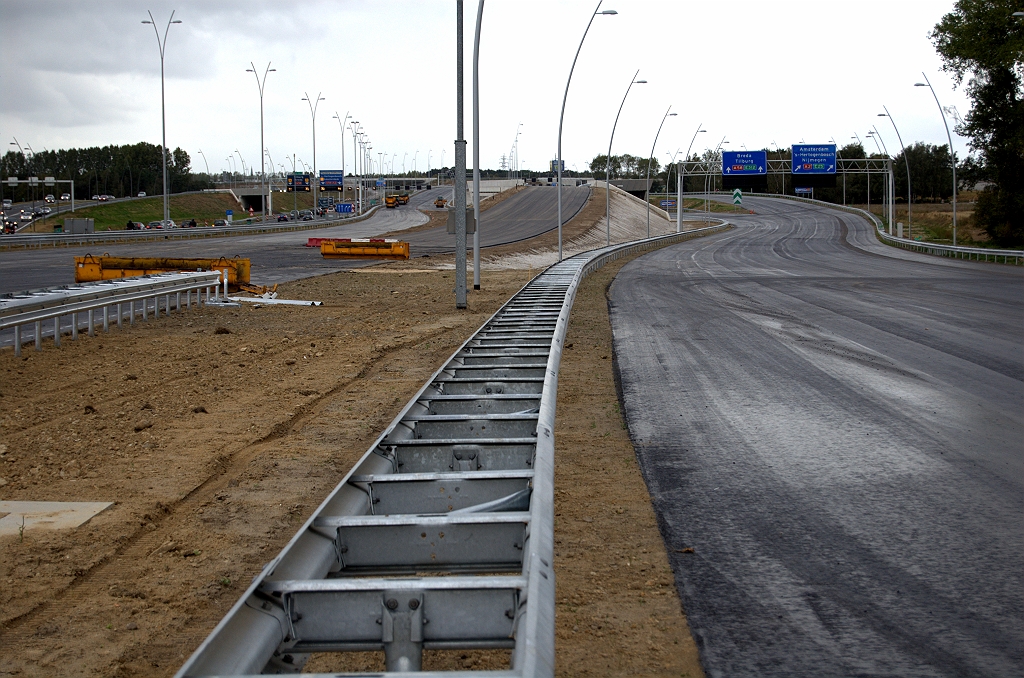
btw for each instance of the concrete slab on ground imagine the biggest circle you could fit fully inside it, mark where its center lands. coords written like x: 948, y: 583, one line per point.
x: 47, y: 515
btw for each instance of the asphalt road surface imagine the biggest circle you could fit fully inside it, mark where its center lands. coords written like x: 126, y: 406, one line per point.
x: 280, y: 257
x: 530, y: 212
x: 835, y: 428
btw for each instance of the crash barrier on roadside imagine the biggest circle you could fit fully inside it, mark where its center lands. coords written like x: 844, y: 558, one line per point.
x: 1015, y: 257
x: 363, y: 248
x: 39, y: 240
x: 124, y: 299
x: 442, y: 535
x: 90, y: 268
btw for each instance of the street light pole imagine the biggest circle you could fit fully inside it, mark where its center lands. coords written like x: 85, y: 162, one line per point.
x: 460, y: 171
x: 681, y: 174
x: 341, y: 125
x: 204, y: 162
x: 263, y: 167
x: 312, y: 112
x: 890, y: 192
x: 906, y: 161
x: 608, y: 163
x: 561, y: 118
x: 476, y: 146
x: 163, y: 109
x: 952, y: 158
x: 650, y: 161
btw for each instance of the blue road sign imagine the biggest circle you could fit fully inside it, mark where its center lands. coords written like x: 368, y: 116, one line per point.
x: 380, y: 182
x: 331, y: 178
x: 343, y: 207
x: 814, y: 158
x: 668, y: 203
x: 744, y: 162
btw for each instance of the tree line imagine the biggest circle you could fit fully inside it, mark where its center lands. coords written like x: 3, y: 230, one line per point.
x: 111, y: 170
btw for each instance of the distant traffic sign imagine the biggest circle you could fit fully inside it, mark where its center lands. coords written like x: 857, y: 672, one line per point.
x: 814, y: 158
x: 331, y: 178
x: 668, y: 203
x: 737, y: 197
x: 343, y: 207
x: 744, y: 162
x: 380, y: 183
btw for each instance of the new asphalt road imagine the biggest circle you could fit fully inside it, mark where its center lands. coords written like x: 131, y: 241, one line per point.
x: 279, y: 257
x: 836, y: 429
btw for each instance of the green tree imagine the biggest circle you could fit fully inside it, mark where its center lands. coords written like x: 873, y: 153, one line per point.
x: 981, y: 41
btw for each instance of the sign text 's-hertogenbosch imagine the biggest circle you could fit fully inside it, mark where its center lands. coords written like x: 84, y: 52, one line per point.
x: 331, y: 178
x: 814, y: 158
x: 744, y: 162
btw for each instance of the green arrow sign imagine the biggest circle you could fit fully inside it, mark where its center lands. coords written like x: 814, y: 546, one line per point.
x: 737, y: 196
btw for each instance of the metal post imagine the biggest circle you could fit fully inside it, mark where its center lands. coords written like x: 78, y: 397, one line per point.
x: 56, y: 331
x: 460, y: 173
x: 952, y: 156
x: 608, y: 163
x: 74, y: 326
x: 647, y: 189
x: 561, y: 118
x: 106, y: 319
x: 263, y: 167
x: 906, y: 161
x: 39, y: 335
x: 163, y: 108
x: 120, y: 314
x: 17, y: 341
x: 476, y: 147
x: 131, y: 313
x: 145, y: 309
x: 679, y: 198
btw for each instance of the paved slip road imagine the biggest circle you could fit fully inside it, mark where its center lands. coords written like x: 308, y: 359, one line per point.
x: 836, y: 429
x: 280, y: 257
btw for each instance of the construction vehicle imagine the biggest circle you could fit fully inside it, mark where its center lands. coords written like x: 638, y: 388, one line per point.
x: 391, y: 201
x: 403, y: 199
x: 440, y: 202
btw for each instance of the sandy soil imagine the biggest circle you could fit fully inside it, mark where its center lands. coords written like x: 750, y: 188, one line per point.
x: 217, y: 431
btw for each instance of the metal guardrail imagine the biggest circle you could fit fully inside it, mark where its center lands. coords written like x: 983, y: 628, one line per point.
x: 957, y: 252
x: 40, y: 240
x: 32, y: 308
x: 442, y: 535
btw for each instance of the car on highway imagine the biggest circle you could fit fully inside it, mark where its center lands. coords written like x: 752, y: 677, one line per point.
x: 96, y: 197
x: 104, y: 198
x: 10, y: 226
x: 142, y: 194
x: 38, y: 211
x: 306, y: 215
x: 49, y: 198
x: 134, y: 226
x: 155, y: 224
x: 189, y: 223
x: 7, y: 203
x: 219, y: 222
x: 282, y: 217
x: 65, y: 196
x: 25, y: 216
x: 46, y: 210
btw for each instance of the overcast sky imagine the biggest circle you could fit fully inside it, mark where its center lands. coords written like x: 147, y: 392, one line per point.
x: 78, y: 73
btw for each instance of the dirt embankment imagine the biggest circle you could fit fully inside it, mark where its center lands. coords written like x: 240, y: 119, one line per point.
x: 217, y: 432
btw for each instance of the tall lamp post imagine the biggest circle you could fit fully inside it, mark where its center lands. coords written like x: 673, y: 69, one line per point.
x: 608, y: 163
x: 681, y: 174
x: 890, y: 191
x: 263, y: 167
x: 949, y: 137
x: 561, y: 118
x: 204, y: 162
x: 650, y: 161
x: 476, y: 145
x: 341, y: 125
x: 906, y: 161
x: 163, y: 110
x: 312, y: 112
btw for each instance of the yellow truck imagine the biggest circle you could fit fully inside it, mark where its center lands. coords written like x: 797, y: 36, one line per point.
x: 391, y: 201
x: 440, y: 202
x: 403, y: 199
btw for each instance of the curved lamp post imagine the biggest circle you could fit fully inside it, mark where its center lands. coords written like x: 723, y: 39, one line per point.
x: 608, y: 166
x: 263, y: 167
x: 312, y: 111
x: 949, y: 137
x: 561, y: 118
x: 204, y: 162
x: 341, y: 125
x: 906, y: 161
x: 647, y: 191
x: 680, y: 175
x: 163, y: 108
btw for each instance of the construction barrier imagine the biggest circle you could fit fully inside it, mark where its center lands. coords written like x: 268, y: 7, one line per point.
x: 91, y: 269
x: 363, y: 248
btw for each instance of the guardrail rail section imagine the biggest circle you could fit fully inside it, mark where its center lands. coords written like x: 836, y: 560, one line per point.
x: 442, y: 535
x: 112, y: 298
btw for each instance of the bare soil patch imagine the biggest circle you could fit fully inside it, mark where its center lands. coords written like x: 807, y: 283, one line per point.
x: 218, y: 431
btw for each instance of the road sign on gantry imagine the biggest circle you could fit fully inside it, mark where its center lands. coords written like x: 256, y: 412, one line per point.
x: 814, y: 158
x: 744, y: 162
x: 331, y: 178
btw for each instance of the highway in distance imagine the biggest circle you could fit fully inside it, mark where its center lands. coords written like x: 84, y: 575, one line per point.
x: 831, y: 430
